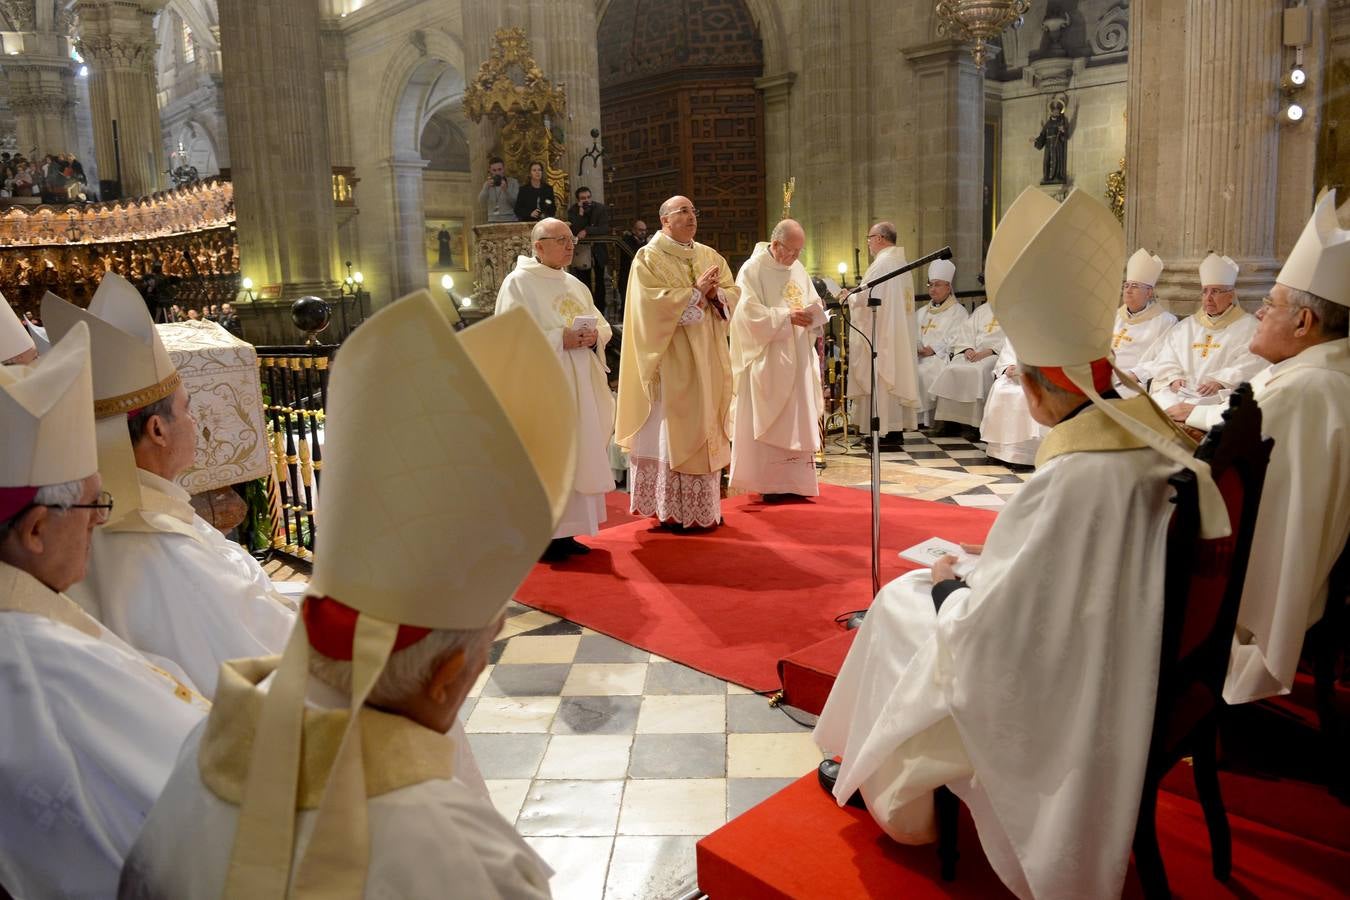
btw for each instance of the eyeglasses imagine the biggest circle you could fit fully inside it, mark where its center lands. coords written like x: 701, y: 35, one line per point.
x: 1268, y: 304
x: 1134, y: 286
x: 1216, y: 291
x: 102, y: 507
x: 684, y: 210
x: 566, y: 240
x: 870, y: 236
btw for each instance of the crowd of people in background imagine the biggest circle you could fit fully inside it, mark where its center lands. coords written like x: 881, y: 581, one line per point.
x: 222, y: 314
x: 57, y: 178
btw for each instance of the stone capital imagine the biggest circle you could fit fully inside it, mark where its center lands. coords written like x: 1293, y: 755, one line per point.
x: 939, y: 54
x: 125, y: 52
x: 776, y: 87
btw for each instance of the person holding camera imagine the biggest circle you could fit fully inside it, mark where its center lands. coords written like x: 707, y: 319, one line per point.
x: 589, y: 219
x: 536, y: 201
x: 499, y: 193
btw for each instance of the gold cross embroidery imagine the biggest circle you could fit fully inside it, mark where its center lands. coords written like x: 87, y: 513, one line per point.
x: 929, y: 326
x: 989, y: 329
x: 793, y: 295
x: 1207, y: 346
x: 1120, y: 337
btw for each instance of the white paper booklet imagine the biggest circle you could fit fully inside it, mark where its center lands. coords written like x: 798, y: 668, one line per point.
x: 933, y: 549
x: 818, y: 317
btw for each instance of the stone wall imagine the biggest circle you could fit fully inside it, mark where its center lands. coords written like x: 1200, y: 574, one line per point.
x: 1097, y: 101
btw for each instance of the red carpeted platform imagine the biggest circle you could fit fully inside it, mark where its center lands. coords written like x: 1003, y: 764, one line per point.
x: 798, y: 844
x: 734, y: 600
x: 808, y: 674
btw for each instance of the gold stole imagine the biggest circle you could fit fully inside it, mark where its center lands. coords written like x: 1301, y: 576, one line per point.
x: 1092, y: 431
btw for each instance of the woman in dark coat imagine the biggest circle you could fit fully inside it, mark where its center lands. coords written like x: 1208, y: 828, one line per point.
x: 536, y: 200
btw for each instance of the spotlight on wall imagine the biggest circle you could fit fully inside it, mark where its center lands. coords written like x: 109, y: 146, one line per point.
x: 1293, y: 113
x: 1297, y: 28
x: 247, y: 286
x: 84, y: 71
x: 447, y: 282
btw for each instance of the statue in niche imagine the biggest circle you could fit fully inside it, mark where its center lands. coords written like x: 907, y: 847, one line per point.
x: 1053, y: 142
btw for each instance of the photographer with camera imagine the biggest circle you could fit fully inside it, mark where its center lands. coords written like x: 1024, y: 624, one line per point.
x: 499, y: 192
x: 589, y: 219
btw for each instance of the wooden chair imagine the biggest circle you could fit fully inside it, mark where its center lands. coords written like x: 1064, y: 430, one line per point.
x: 1202, y: 588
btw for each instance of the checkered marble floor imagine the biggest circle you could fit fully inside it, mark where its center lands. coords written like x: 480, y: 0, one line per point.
x: 613, y: 762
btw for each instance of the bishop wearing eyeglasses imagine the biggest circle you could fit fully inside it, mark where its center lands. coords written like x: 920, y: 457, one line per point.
x: 675, y: 373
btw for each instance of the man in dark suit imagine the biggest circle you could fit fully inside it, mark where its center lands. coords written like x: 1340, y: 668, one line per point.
x: 590, y: 219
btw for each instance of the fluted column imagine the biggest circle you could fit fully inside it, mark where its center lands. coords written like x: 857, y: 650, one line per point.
x: 279, y: 145
x: 117, y: 41
x: 1203, y: 152
x: 563, y: 35
x: 777, y: 91
x: 948, y: 166
x: 42, y: 99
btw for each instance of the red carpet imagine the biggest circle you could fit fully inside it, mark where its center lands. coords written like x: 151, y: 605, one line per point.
x: 733, y: 601
x: 798, y: 844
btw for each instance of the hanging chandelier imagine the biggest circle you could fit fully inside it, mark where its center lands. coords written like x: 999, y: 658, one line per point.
x: 978, y: 21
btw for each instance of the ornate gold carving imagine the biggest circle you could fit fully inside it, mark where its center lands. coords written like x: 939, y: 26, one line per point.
x: 512, y: 91
x: 1115, y: 192
x: 497, y: 248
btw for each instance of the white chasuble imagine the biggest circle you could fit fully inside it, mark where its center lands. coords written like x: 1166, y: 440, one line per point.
x: 1135, y: 339
x: 91, y: 728
x: 939, y: 327
x: 960, y: 388
x: 1037, y: 714
x: 1202, y: 348
x: 1007, y: 428
x: 554, y: 298
x: 1304, y: 518
x: 897, y: 401
x: 169, y: 584
x: 431, y: 833
x: 776, y: 374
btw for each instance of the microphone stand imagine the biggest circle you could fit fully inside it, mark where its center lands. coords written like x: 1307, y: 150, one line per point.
x: 873, y: 420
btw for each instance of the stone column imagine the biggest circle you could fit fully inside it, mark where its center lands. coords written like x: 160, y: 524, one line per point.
x: 281, y: 168
x: 562, y: 33
x: 409, y: 270
x: 777, y: 91
x: 948, y: 164
x: 42, y: 99
x: 117, y: 41
x: 829, y: 178
x: 1203, y: 150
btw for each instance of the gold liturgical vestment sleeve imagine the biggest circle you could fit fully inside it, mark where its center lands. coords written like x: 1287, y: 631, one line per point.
x: 689, y: 365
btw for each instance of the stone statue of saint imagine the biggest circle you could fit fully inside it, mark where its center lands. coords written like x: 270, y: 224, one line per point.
x: 1053, y: 141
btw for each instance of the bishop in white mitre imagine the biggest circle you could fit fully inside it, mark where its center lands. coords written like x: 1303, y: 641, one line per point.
x: 1140, y: 321
x: 897, y: 400
x: 1037, y: 716
x: 1203, y: 357
x: 1010, y: 433
x: 324, y: 773
x: 16, y: 343
x: 562, y: 307
x: 776, y: 372
x: 1304, y: 518
x: 940, y: 322
x: 92, y: 727
x: 161, y: 577
x: 960, y: 389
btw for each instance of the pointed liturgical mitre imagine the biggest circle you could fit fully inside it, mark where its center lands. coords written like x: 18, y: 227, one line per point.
x: 1219, y: 271
x: 1144, y: 268
x: 448, y: 459
x: 14, y: 337
x: 1320, y: 261
x: 131, y: 370
x: 941, y: 270
x: 1053, y: 275
x: 46, y: 423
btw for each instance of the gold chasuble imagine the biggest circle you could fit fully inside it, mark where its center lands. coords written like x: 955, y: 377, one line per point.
x: 675, y: 354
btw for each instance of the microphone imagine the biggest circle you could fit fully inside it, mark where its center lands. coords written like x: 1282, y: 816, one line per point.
x: 944, y: 253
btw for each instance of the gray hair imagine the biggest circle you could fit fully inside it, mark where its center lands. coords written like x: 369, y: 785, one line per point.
x: 886, y: 230
x: 63, y: 495
x: 782, y: 229
x: 537, y: 233
x: 406, y: 672
x: 1034, y: 373
x: 162, y: 407
x: 1332, y: 319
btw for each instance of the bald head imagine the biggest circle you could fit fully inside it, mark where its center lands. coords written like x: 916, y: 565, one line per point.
x: 786, y: 241
x: 553, y: 244
x: 679, y: 219
x: 879, y: 237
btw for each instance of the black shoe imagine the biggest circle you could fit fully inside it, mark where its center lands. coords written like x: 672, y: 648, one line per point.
x: 575, y: 547
x: 827, y: 774
x: 556, y: 551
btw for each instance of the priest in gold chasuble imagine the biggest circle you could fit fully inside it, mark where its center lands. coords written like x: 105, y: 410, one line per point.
x: 675, y: 373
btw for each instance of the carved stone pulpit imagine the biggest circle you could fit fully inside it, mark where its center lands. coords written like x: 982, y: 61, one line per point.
x: 496, y: 248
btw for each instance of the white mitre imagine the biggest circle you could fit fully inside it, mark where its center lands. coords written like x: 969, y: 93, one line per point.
x: 1065, y: 320
x: 483, y: 464
x: 46, y: 423
x: 131, y: 370
x: 14, y: 337
x: 941, y: 270
x: 1320, y: 261
x: 1219, y: 271
x: 1144, y: 268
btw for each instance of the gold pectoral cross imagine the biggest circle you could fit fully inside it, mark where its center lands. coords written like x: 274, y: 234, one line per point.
x: 1120, y: 337
x: 1207, y: 346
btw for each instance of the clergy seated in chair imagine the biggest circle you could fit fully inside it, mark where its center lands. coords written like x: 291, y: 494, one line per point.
x: 91, y: 727
x: 160, y: 576
x: 1203, y: 357
x: 1304, y: 395
x: 1010, y: 434
x: 939, y: 325
x: 961, y: 388
x: 1140, y: 321
x: 326, y: 773
x: 1028, y: 688
x: 776, y: 372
